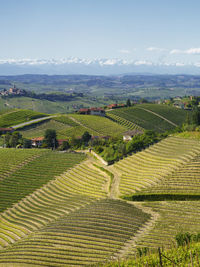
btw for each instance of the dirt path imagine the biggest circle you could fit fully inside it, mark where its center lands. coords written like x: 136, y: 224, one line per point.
x: 156, y: 114
x: 130, y: 245
x: 33, y: 121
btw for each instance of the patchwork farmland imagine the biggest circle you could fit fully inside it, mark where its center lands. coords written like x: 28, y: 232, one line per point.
x: 68, y: 209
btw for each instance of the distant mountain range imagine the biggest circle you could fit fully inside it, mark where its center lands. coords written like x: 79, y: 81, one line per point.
x: 93, y: 67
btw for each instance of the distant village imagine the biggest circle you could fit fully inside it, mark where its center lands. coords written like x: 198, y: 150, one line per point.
x: 13, y: 91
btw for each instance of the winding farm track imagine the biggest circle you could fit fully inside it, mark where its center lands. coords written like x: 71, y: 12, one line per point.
x: 32, y: 121
x: 156, y: 114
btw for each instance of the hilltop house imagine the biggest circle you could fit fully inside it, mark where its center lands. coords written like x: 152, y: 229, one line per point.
x: 127, y: 136
x: 92, y: 111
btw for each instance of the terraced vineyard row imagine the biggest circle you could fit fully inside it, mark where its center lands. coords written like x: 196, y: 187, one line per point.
x: 147, y: 120
x: 13, y: 159
x: 100, y: 125
x: 33, y: 175
x: 67, y: 219
x: 177, y: 116
x: 149, y: 167
x: 89, y: 235
x: 18, y: 116
x: 175, y: 217
x: 129, y: 125
x: 185, y: 180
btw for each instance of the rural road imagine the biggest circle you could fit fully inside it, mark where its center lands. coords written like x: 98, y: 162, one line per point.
x: 32, y: 121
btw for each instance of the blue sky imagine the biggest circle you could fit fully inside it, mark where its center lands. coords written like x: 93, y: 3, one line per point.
x: 144, y: 30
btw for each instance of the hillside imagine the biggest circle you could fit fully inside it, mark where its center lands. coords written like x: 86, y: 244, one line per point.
x: 149, y: 116
x: 65, y: 218
x: 16, y: 116
x: 74, y: 125
x: 62, y: 209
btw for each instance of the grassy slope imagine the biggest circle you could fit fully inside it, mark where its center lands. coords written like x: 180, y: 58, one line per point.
x: 18, y: 116
x: 101, y: 125
x: 138, y: 115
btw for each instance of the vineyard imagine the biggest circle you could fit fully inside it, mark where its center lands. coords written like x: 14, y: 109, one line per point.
x: 99, y: 125
x: 149, y: 116
x: 16, y: 116
x: 38, y: 129
x: 67, y: 209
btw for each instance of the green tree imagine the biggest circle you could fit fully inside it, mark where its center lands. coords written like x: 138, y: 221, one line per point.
x: 128, y: 102
x: 13, y: 139
x: 65, y: 145
x: 86, y: 137
x: 196, y: 116
x: 50, y: 138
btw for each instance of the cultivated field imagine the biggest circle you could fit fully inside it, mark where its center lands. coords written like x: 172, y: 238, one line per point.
x: 100, y: 125
x: 151, y: 116
x: 62, y: 209
x: 153, y: 166
x: 16, y: 116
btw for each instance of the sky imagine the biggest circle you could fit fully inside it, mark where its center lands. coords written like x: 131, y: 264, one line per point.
x: 133, y: 30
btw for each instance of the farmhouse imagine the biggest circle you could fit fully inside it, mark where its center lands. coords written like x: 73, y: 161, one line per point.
x: 37, y: 142
x: 92, y: 111
x: 97, y: 111
x: 130, y: 134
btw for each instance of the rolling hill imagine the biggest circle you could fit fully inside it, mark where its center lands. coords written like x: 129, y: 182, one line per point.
x: 155, y: 117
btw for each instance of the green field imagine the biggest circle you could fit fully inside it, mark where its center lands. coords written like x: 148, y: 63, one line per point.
x: 100, y: 125
x: 64, y: 209
x: 162, y: 119
x: 150, y: 167
x: 16, y: 116
x: 58, y: 217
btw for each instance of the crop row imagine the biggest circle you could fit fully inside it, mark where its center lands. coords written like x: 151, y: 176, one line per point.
x: 33, y: 175
x: 175, y: 217
x: 89, y: 235
x: 128, y: 124
x: 143, y: 118
x: 19, y: 116
x: 13, y: 159
x: 149, y: 167
x: 101, y: 125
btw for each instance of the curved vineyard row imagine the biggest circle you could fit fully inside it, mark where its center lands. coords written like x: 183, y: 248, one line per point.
x: 147, y: 120
x: 19, y: 116
x: 89, y: 235
x: 129, y: 125
x: 149, y: 167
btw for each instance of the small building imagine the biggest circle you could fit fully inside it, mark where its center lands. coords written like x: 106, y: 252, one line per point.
x: 6, y: 130
x: 84, y: 111
x: 37, y: 142
x: 112, y: 106
x: 127, y: 136
x: 97, y: 111
x: 92, y: 111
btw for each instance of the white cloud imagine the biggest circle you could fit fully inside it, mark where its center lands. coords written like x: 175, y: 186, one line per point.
x: 124, y: 51
x: 156, y: 49
x: 190, y: 51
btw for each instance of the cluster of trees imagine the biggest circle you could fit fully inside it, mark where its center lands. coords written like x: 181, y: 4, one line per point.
x: 115, y: 148
x: 15, y: 139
